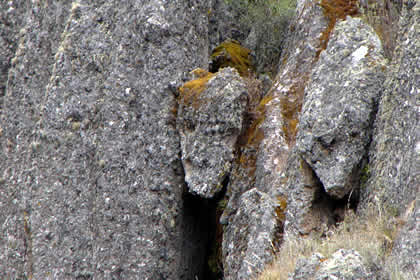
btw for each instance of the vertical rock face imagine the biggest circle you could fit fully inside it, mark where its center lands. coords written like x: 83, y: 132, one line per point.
x: 394, y: 154
x: 223, y: 22
x: 248, y: 242
x: 264, y: 154
x: 11, y: 20
x: 94, y: 188
x: 29, y: 75
x: 340, y: 104
x: 210, y: 119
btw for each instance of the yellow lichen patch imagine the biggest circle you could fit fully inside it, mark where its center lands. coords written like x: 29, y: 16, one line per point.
x: 333, y: 11
x: 251, y: 138
x: 290, y: 108
x: 191, y: 90
x: 231, y: 54
x: 281, y: 208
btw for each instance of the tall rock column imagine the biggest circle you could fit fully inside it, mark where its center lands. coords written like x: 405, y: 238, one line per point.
x: 102, y: 196
x: 257, y: 190
x: 394, y: 154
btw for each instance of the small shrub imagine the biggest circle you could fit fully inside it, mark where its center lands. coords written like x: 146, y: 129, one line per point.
x: 268, y: 19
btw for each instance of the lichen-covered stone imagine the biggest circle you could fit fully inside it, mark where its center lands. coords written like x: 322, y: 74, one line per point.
x: 275, y: 172
x: 248, y: 239
x: 224, y: 22
x: 340, y: 105
x: 343, y: 265
x: 282, y: 110
x: 209, y: 122
x: 394, y: 175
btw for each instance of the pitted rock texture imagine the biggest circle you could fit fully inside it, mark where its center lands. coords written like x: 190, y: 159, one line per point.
x: 343, y: 265
x: 309, y: 209
x: 209, y: 127
x: 405, y: 256
x: 276, y: 173
x: 247, y: 242
x: 11, y: 20
x: 264, y: 154
x: 28, y: 76
x: 94, y: 185
x: 394, y: 154
x: 283, y: 106
x: 340, y: 105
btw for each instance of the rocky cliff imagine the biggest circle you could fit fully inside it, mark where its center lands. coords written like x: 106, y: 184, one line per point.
x: 123, y: 157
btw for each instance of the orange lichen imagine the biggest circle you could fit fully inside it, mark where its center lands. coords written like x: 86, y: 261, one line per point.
x: 333, y: 11
x: 252, y: 137
x: 190, y: 91
x: 281, y: 208
x: 231, y: 54
x: 290, y: 109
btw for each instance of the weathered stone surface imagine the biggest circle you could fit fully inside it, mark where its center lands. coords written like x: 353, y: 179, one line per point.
x: 343, y: 265
x: 29, y: 75
x: 101, y: 187
x: 275, y: 173
x: 12, y: 17
x: 209, y: 126
x: 309, y: 209
x: 307, y: 267
x: 247, y: 242
x: 264, y: 152
x: 405, y: 257
x: 340, y: 104
x: 283, y: 106
x: 394, y: 165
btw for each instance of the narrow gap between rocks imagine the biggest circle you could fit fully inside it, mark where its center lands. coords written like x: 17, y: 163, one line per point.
x: 202, y: 218
x: 335, y: 208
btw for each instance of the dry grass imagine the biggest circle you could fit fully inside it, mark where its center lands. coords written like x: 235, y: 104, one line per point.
x: 372, y: 237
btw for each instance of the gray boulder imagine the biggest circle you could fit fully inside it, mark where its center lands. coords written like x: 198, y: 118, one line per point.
x: 340, y: 105
x: 248, y: 239
x: 343, y: 265
x: 209, y: 123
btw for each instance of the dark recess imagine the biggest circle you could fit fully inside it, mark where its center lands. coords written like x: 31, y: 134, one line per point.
x: 202, y: 218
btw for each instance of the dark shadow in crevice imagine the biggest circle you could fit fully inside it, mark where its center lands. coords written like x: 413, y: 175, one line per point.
x: 202, y: 238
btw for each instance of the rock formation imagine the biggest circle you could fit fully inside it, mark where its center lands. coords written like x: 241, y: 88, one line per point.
x: 114, y: 165
x: 210, y: 118
x: 94, y: 183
